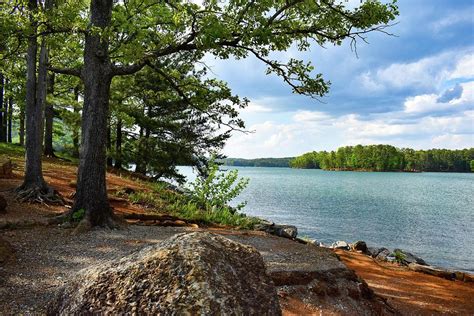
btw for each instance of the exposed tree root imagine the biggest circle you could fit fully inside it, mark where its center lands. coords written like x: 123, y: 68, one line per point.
x: 85, y: 224
x: 111, y: 222
x: 37, y: 194
x: 150, y: 217
x: 65, y: 217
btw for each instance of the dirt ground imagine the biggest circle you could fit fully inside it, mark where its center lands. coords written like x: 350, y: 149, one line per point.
x: 412, y: 293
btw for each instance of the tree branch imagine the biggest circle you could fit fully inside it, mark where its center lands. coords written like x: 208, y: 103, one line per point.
x: 66, y: 71
x: 129, y: 69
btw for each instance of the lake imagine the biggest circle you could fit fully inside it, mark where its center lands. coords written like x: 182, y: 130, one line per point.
x: 428, y: 214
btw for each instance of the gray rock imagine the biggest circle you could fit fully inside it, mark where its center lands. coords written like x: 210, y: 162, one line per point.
x: 439, y: 272
x: 341, y: 245
x: 373, y: 251
x: 287, y: 231
x: 383, y: 254
x: 360, y: 246
x: 188, y: 274
x: 410, y: 258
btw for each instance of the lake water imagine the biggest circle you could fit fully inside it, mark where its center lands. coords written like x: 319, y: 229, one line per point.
x: 428, y: 214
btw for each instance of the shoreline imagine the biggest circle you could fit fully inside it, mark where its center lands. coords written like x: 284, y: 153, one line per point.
x: 406, y: 258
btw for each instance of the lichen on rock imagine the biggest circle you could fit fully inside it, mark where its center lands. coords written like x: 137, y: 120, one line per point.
x: 192, y: 273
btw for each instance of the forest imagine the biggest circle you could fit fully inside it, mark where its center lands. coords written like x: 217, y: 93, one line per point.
x: 123, y: 84
x: 258, y: 162
x: 387, y: 158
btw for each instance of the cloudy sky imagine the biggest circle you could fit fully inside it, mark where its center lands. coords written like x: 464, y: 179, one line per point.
x: 414, y: 90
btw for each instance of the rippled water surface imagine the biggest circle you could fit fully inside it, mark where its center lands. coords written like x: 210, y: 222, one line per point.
x: 429, y: 214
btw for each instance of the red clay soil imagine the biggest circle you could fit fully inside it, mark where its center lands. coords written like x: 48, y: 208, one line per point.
x: 412, y: 293
x: 62, y: 177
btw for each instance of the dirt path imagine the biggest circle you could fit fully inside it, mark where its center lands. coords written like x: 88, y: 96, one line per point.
x: 412, y: 293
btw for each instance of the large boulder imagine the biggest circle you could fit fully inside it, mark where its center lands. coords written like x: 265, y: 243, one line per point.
x: 188, y: 274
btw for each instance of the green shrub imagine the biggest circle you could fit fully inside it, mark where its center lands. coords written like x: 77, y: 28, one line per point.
x: 219, y: 188
x: 399, y: 257
x: 78, y: 215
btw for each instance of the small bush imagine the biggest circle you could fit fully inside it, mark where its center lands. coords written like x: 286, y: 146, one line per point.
x: 78, y: 215
x: 399, y: 257
x: 218, y: 189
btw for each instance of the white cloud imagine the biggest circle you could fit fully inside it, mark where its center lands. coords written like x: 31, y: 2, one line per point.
x: 464, y: 16
x: 464, y: 67
x: 311, y: 116
x: 325, y: 132
x: 256, y: 108
x: 422, y: 103
x: 426, y: 73
x: 431, y: 102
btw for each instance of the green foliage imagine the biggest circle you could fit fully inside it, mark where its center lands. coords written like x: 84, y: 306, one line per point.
x: 399, y: 257
x: 260, y: 162
x: 11, y: 150
x: 386, y: 158
x: 472, y: 165
x: 214, y: 192
x: 225, y: 216
x: 163, y: 200
x: 78, y: 215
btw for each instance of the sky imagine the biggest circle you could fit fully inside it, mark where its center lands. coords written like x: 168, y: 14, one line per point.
x: 415, y: 89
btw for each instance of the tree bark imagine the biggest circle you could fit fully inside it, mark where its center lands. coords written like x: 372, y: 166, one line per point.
x: 110, y: 161
x: 91, y: 195
x: 118, y: 144
x: 48, y: 121
x: 34, y: 186
x: 10, y: 119
x: 140, y: 163
x: 75, y: 132
x: 2, y: 101
x: 5, y: 113
x: 41, y: 89
x: 21, y: 131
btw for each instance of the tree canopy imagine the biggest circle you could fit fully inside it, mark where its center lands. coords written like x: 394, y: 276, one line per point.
x: 142, y: 94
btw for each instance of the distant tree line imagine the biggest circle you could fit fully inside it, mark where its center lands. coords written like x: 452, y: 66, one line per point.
x: 387, y: 158
x: 260, y: 162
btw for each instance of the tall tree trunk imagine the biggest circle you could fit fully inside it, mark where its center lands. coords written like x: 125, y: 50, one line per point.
x: 140, y: 163
x: 5, y: 114
x: 48, y: 121
x: 2, y: 101
x: 21, y: 131
x: 118, y: 144
x: 110, y: 161
x: 34, y: 188
x: 75, y: 131
x: 10, y: 119
x: 42, y: 89
x: 91, y: 195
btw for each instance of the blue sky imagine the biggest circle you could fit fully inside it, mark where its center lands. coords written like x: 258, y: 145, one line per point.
x: 413, y: 90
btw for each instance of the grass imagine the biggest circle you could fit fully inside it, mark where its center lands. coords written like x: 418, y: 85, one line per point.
x: 12, y: 151
x: 163, y: 200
